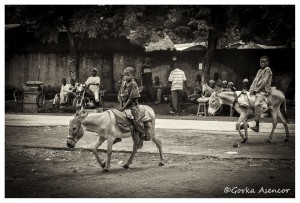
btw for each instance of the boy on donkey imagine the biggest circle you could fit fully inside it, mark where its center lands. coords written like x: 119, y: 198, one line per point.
x: 261, y: 87
x: 129, y: 94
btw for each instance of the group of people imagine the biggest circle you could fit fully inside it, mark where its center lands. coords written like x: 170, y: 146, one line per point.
x: 68, y: 90
x: 214, y: 84
x: 129, y: 92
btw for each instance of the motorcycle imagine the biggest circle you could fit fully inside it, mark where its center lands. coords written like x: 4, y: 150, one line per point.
x: 86, y: 101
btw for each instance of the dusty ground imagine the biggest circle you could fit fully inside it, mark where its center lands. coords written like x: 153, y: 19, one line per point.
x: 197, y: 165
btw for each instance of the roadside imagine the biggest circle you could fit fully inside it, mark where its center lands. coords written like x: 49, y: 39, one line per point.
x: 161, y: 110
x: 186, y: 142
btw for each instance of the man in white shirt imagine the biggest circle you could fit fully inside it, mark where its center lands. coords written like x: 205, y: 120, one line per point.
x: 178, y: 79
x: 63, y: 97
x: 93, y: 86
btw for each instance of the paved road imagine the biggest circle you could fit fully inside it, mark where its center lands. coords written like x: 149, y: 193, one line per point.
x: 173, y: 124
x: 190, y: 137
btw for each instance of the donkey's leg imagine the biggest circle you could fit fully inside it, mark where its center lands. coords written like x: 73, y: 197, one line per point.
x: 241, y: 118
x: 284, y: 122
x: 109, y: 153
x: 134, y: 150
x: 245, y: 124
x: 158, y: 145
x: 100, y: 141
x: 274, y: 117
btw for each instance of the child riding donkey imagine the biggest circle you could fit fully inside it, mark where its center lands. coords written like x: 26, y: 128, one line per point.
x: 129, y: 94
x: 261, y: 87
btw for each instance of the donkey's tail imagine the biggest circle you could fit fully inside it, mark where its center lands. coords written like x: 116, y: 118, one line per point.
x: 284, y: 110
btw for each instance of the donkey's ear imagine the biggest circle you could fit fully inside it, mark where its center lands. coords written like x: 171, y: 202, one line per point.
x: 77, y: 113
x: 82, y: 115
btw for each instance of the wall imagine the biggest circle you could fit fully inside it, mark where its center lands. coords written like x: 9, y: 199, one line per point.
x: 231, y: 64
x: 25, y: 67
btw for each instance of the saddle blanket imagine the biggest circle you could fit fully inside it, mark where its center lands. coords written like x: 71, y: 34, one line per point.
x: 247, y: 100
x: 124, y: 119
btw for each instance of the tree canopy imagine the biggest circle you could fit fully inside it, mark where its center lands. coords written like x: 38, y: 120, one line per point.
x: 218, y: 25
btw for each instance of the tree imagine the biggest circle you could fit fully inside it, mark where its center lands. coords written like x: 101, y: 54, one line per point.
x: 79, y: 22
x: 217, y: 25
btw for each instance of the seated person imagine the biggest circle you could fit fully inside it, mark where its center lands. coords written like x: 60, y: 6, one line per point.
x: 157, y: 87
x: 72, y: 89
x: 197, y: 89
x: 63, y: 97
x: 231, y: 87
x: 225, y: 110
x: 93, y: 86
x: 224, y: 87
x: 207, y: 91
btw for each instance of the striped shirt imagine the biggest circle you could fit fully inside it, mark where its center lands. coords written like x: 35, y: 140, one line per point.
x: 177, y: 77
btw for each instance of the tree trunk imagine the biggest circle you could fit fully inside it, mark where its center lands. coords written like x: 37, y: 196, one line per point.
x: 207, y: 60
x: 74, y: 61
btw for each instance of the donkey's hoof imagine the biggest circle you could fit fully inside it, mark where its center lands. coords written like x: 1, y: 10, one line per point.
x: 105, y: 171
x: 286, y: 140
x: 269, y: 141
x: 103, y: 164
x: 126, y: 166
x: 161, y: 164
x: 244, y: 140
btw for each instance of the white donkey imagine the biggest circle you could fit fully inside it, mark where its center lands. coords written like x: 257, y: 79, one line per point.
x: 274, y: 100
x: 107, y: 128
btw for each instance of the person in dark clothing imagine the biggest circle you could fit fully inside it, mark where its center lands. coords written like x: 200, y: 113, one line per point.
x: 218, y: 81
x: 197, y: 89
x: 129, y: 94
x: 147, y: 82
x: 157, y: 87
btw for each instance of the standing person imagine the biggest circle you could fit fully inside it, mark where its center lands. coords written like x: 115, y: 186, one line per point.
x: 122, y: 84
x: 178, y: 80
x: 197, y: 89
x: 63, y: 97
x: 146, y: 73
x: 157, y: 86
x: 261, y: 87
x: 129, y: 95
x: 218, y: 81
x: 93, y: 86
x: 245, y: 85
x: 244, y: 91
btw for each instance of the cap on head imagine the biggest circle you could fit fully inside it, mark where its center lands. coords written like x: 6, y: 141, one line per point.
x: 94, y: 69
x: 245, y: 80
x: 230, y: 83
x: 224, y: 82
x: 211, y: 81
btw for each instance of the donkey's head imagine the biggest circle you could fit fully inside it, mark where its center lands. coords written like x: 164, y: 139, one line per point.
x: 214, y: 103
x: 76, y: 129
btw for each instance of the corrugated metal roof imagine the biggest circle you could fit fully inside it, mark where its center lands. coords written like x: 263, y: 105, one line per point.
x: 9, y: 26
x: 163, y: 44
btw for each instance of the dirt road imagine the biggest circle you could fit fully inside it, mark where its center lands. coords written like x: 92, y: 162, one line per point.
x: 198, y: 164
